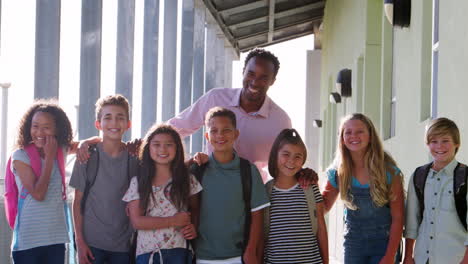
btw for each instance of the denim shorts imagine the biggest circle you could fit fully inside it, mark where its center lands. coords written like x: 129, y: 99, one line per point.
x: 172, y: 256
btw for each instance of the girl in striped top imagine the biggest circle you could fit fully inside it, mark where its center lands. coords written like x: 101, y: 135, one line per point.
x: 42, y: 226
x: 295, y: 227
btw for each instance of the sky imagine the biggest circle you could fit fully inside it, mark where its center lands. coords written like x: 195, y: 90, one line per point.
x: 17, y: 43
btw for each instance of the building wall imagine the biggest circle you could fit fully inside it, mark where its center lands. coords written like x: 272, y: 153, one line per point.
x: 356, y: 35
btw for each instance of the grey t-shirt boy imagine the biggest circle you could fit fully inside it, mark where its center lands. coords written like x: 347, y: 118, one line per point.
x: 105, y: 222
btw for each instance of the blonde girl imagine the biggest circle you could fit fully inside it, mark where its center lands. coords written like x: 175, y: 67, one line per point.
x: 370, y: 185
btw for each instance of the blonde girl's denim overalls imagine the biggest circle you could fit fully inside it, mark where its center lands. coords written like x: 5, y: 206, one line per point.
x: 367, y: 229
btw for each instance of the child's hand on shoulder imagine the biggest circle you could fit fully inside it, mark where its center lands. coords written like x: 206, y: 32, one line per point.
x: 133, y: 147
x: 307, y: 177
x: 189, y: 231
x: 201, y: 158
x: 180, y: 219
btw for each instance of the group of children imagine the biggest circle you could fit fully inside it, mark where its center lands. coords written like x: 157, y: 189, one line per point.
x: 217, y: 206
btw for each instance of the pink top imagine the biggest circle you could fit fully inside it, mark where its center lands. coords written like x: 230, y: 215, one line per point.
x: 258, y: 130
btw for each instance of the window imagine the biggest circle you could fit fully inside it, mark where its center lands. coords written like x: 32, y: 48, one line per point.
x: 435, y: 58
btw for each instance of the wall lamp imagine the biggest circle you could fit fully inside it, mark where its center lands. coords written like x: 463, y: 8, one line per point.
x: 343, y: 83
x: 335, y: 98
x: 398, y: 12
x: 317, y: 123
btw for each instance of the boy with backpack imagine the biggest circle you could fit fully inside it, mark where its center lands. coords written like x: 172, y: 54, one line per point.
x: 437, y: 201
x: 102, y: 227
x: 232, y: 200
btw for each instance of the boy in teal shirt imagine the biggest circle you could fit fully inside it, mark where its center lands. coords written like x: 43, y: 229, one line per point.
x: 222, y: 209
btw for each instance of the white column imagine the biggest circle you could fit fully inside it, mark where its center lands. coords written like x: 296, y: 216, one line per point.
x: 210, y: 53
x: 124, y: 54
x: 169, y: 59
x: 3, y: 128
x: 198, y: 67
x: 312, y: 107
x: 186, y: 60
x: 219, y: 58
x: 149, y: 91
x: 90, y: 65
x: 47, y: 57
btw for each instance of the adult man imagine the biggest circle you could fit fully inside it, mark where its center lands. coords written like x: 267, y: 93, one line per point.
x: 259, y: 119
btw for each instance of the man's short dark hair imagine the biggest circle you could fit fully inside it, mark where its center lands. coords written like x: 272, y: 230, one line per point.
x: 220, y: 111
x: 264, y: 54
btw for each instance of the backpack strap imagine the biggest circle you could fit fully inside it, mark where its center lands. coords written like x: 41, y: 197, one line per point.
x: 198, y: 171
x: 92, y: 167
x: 266, y: 211
x: 312, y: 205
x: 246, y: 178
x: 459, y: 191
x: 419, y: 182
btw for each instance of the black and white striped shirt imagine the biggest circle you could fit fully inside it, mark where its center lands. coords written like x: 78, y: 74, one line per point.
x: 291, y: 239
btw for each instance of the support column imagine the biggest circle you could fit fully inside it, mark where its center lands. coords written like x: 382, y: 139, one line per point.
x: 46, y: 72
x: 219, y: 59
x: 149, y: 92
x: 229, y: 57
x: 198, y: 67
x: 186, y: 60
x: 90, y: 65
x: 124, y: 54
x: 169, y: 59
x: 210, y: 53
x: 312, y: 107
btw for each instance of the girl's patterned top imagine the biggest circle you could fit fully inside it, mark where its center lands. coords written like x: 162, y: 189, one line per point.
x: 164, y: 238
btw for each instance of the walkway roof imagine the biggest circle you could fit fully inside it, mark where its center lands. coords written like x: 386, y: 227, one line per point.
x: 250, y: 23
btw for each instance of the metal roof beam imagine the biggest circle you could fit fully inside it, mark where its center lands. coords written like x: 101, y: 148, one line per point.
x: 271, y: 21
x: 247, y: 7
x: 242, y: 8
x: 286, y: 13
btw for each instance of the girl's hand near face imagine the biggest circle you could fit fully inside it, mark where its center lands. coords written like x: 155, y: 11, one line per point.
x: 50, y: 147
x: 189, y: 232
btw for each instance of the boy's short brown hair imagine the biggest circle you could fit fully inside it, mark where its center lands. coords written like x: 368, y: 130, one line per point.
x: 440, y: 127
x: 116, y: 99
x: 220, y: 111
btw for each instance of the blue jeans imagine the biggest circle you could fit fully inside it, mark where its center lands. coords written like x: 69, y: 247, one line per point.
x: 169, y: 256
x: 53, y: 254
x: 364, y: 251
x: 102, y: 256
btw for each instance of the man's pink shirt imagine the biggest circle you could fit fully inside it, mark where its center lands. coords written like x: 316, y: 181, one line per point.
x: 258, y: 130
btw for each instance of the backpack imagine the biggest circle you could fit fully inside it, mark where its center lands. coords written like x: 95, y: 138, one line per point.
x: 460, y: 176
x: 92, y: 168
x: 311, y: 204
x: 12, y: 194
x: 246, y: 179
